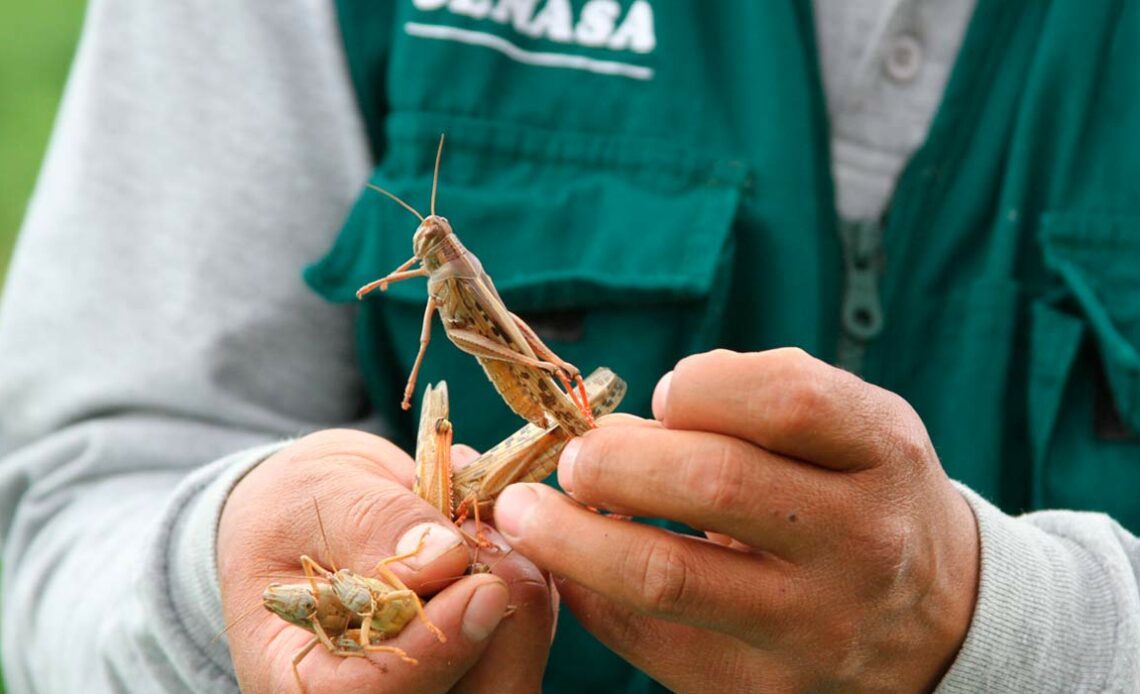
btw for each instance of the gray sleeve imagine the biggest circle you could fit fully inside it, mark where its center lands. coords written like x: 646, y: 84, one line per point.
x: 154, y: 321
x: 1058, y: 605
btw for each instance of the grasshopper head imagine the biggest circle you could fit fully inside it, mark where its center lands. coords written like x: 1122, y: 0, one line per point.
x: 294, y: 603
x: 297, y: 604
x: 431, y: 232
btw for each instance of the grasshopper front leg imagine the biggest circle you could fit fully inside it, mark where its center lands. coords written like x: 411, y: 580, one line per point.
x: 425, y: 337
x: 399, y: 274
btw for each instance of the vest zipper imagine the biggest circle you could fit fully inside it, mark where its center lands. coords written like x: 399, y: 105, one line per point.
x: 861, y: 309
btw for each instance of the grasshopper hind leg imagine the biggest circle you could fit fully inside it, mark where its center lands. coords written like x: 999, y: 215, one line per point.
x: 566, y: 371
x: 384, y: 572
x: 578, y: 396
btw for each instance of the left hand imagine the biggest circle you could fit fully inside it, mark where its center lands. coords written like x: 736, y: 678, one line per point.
x: 839, y: 556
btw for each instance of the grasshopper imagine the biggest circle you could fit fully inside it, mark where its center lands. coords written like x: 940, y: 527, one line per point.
x: 528, y: 455
x: 349, y: 614
x: 521, y: 367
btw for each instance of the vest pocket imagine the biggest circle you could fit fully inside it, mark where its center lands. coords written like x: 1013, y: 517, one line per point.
x: 614, y: 260
x: 1085, y: 367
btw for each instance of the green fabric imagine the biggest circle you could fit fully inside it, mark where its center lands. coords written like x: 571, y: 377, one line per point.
x: 661, y: 217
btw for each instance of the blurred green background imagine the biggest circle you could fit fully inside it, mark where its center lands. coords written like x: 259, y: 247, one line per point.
x: 37, y: 41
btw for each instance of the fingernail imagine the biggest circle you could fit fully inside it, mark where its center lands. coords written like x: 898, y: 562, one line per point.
x: 484, y: 611
x: 661, y: 396
x: 486, y: 532
x: 566, y: 464
x: 437, y: 541
x: 515, y: 504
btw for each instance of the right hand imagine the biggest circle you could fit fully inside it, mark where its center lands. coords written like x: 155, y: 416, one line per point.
x: 361, y: 484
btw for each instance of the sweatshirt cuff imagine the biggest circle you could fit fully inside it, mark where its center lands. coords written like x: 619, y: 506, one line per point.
x: 182, y: 585
x: 1046, y: 617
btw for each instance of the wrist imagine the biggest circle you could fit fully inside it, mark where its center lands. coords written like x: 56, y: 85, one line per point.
x: 955, y: 589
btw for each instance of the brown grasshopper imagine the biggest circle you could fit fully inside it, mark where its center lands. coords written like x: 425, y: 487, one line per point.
x: 528, y: 455
x: 349, y: 614
x: 519, y: 364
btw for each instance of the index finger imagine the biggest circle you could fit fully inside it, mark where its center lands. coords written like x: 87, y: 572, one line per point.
x: 788, y: 402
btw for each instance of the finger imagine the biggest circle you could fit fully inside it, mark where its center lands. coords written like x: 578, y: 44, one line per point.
x: 708, y: 481
x: 516, y: 655
x: 788, y: 402
x: 646, y: 569
x: 462, y: 455
x: 467, y: 612
x: 680, y: 657
x: 626, y: 419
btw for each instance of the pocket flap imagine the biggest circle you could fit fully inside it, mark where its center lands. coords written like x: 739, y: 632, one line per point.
x: 1098, y: 258
x: 579, y: 235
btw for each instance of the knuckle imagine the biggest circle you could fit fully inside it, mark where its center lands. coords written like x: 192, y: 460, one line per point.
x: 711, y: 356
x: 912, y: 443
x: 804, y: 398
x: 663, y: 577
x: 911, y: 448
x: 696, y: 365
x: 716, y: 478
x: 903, y: 441
x: 789, y: 356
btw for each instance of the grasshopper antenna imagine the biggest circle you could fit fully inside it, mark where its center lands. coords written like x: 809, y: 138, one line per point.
x: 405, y: 205
x: 251, y: 611
x: 325, y: 537
x: 435, y: 176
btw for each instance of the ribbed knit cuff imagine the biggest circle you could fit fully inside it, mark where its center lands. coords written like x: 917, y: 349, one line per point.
x: 1048, y: 616
x: 182, y: 577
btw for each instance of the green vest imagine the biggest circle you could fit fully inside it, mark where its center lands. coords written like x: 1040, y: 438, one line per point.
x: 646, y: 180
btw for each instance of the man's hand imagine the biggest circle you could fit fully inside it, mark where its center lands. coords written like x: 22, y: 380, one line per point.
x: 361, y: 485
x: 839, y: 557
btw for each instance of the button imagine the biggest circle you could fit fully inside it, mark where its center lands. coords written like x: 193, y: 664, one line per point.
x: 904, y: 58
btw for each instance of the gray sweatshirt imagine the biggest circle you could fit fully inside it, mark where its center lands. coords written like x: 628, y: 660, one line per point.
x: 156, y: 342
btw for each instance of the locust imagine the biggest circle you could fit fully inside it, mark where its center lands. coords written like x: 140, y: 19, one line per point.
x: 524, y: 371
x: 528, y: 455
x: 349, y: 614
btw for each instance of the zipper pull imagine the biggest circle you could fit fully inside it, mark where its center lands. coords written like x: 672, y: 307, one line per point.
x: 861, y: 309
